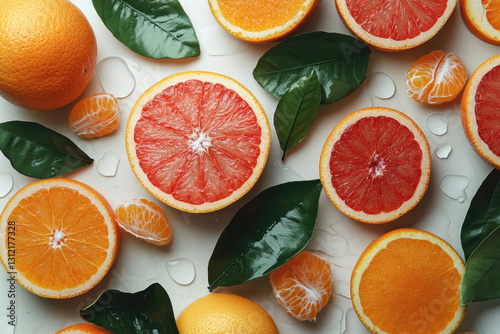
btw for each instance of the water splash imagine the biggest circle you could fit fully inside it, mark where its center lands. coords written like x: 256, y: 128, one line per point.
x: 181, y: 270
x: 454, y: 186
x: 437, y: 124
x: 6, y: 184
x: 381, y: 85
x: 107, y: 165
x: 443, y: 151
x: 115, y: 76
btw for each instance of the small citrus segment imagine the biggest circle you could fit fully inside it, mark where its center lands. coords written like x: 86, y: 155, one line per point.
x: 482, y: 18
x: 394, y: 25
x: 145, y: 220
x: 436, y: 78
x: 480, y: 110
x: 48, y: 53
x: 197, y: 141
x: 375, y: 165
x: 66, y: 237
x: 218, y: 313
x: 303, y: 285
x: 261, y: 20
x: 408, y: 281
x: 84, y: 328
x: 95, y: 116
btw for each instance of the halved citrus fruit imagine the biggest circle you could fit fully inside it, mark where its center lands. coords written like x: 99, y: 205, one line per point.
x: 408, y: 281
x: 144, y: 220
x: 375, y: 165
x: 436, y: 78
x: 482, y: 18
x: 198, y: 141
x: 303, y: 285
x: 261, y: 20
x: 84, y: 328
x: 59, y: 237
x: 395, y: 25
x: 95, y: 116
x: 480, y: 111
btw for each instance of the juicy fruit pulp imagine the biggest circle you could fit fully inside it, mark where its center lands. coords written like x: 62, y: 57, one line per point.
x: 482, y: 18
x: 199, y: 144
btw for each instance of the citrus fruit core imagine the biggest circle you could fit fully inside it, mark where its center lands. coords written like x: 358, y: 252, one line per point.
x: 198, y: 141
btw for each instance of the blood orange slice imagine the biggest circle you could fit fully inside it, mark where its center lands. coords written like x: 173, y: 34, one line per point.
x: 197, y: 141
x: 480, y: 110
x: 482, y: 18
x: 375, y: 165
x: 395, y: 25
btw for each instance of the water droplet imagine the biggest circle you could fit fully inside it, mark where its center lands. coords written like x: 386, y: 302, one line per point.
x: 454, y: 186
x: 331, y: 243
x: 27, y: 311
x: 352, y: 323
x: 181, y: 270
x: 127, y: 259
x: 108, y: 164
x: 115, y: 76
x: 443, y: 151
x: 381, y: 85
x: 438, y: 124
x: 6, y: 184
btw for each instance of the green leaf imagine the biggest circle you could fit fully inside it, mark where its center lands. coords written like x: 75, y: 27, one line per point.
x: 152, y: 28
x: 144, y: 312
x: 483, y: 215
x: 265, y: 233
x: 296, y: 111
x: 39, y: 152
x: 481, y: 280
x: 340, y: 62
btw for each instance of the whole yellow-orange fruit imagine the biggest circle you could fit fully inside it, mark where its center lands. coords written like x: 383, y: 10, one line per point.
x: 48, y: 53
x: 225, y: 313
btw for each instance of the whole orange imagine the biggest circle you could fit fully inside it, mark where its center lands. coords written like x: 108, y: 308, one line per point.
x: 48, y: 53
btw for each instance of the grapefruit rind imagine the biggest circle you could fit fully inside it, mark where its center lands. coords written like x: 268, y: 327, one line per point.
x: 388, y: 44
x: 103, y: 207
x: 379, y: 245
x: 325, y: 173
x: 267, y: 35
x: 211, y: 77
x: 468, y: 113
x: 474, y: 16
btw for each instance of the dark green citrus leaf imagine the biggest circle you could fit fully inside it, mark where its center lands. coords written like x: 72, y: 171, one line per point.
x: 265, y: 233
x: 483, y: 215
x: 340, y: 62
x: 144, y: 312
x: 152, y: 28
x: 39, y: 152
x: 481, y: 279
x: 296, y: 111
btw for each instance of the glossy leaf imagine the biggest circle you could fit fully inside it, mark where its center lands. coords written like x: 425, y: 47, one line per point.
x: 39, y: 152
x: 144, y: 312
x: 153, y: 28
x: 296, y: 111
x: 340, y: 62
x: 483, y: 215
x: 481, y: 280
x: 265, y: 233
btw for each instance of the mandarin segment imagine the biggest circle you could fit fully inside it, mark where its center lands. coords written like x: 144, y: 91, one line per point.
x: 420, y: 292
x: 303, y: 285
x: 95, y: 116
x: 436, y: 78
x: 66, y: 237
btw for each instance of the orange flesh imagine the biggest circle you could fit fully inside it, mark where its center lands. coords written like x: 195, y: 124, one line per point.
x: 376, y: 165
x: 259, y: 15
x: 304, y: 285
x: 396, y: 19
x: 197, y: 141
x: 44, y: 258
x: 419, y: 294
x: 492, y: 8
x: 487, y: 109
